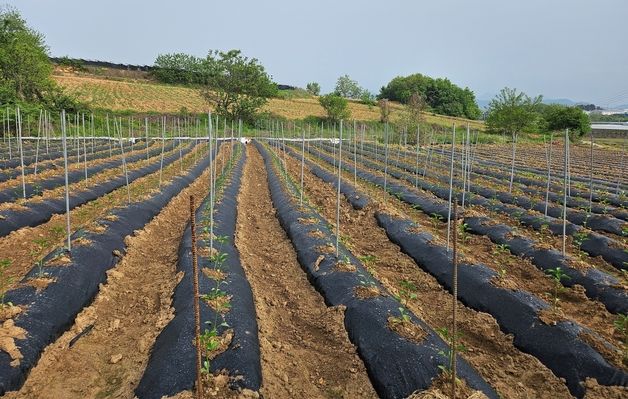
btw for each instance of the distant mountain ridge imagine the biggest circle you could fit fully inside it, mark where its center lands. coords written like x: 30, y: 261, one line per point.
x: 484, y: 102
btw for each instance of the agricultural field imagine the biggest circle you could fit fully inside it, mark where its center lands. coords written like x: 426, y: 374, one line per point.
x: 165, y: 258
x: 142, y: 95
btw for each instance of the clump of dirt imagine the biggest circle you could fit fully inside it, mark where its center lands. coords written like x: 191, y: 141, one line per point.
x: 316, y: 234
x: 406, y: 329
x: 214, y: 274
x: 220, y: 304
x: 217, y: 386
x: 40, y: 283
x: 206, y: 252
x: 9, y: 311
x: 63, y: 259
x: 343, y: 266
x: 441, y: 389
x: 308, y: 220
x: 365, y: 292
x: 326, y: 249
x: 9, y: 332
x: 552, y: 316
x: 81, y: 241
x: 597, y: 391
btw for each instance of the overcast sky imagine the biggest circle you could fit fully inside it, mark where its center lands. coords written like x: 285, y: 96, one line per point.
x: 576, y: 49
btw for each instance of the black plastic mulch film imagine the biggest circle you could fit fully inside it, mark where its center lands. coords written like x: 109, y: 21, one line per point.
x: 50, y: 312
x: 171, y: 367
x: 396, y: 366
x: 594, y: 244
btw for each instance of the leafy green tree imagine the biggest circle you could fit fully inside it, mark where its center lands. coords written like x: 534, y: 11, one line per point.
x: 337, y: 107
x: 236, y: 86
x: 513, y: 112
x: 180, y: 68
x: 347, y: 88
x: 440, y: 95
x: 313, y: 88
x: 24, y: 65
x: 25, y: 68
x: 556, y: 117
x: 366, y: 97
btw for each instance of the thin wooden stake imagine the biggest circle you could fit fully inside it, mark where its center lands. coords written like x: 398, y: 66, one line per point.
x: 454, y: 310
x: 197, y: 313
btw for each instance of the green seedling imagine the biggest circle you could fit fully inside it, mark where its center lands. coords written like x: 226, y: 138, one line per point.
x: 621, y: 326
x: 214, y: 293
x: 436, y: 218
x: 464, y: 231
x: 5, y: 281
x: 58, y: 230
x: 448, y: 353
x: 501, y: 249
x: 557, y: 275
x: 218, y: 258
x: 210, y: 340
x: 407, y: 291
x: 40, y: 268
x: 404, y: 316
x: 222, y: 239
x: 579, y: 237
x: 366, y: 280
x: 367, y: 259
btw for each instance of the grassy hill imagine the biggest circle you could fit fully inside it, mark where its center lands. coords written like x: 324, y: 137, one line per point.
x: 142, y: 95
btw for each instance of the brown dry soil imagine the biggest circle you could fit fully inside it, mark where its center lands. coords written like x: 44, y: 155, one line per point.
x: 515, y: 375
x: 305, y: 349
x: 128, y: 314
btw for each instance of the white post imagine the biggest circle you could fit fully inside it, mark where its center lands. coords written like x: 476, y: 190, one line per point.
x: 591, y: 176
x: 211, y: 183
x: 451, y: 185
x: 109, y: 137
x: 65, y: 168
x: 512, y: 167
x: 18, y: 120
x: 549, y: 171
x: 146, y: 131
x: 38, y: 140
x: 126, y: 172
x: 85, y: 146
x: 302, y: 165
x: 565, y: 192
x: 163, y: 144
x: 385, y: 160
x: 416, y: 164
x: 338, y: 191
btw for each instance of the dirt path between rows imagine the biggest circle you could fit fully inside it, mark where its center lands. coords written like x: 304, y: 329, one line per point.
x: 127, y: 315
x: 305, y: 349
